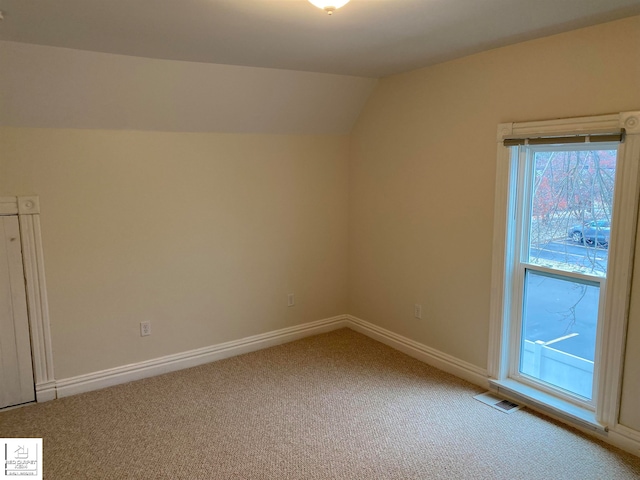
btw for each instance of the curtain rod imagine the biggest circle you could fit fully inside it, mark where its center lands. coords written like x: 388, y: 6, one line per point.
x: 560, y: 139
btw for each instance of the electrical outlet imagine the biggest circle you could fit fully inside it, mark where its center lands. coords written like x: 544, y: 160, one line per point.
x: 291, y: 301
x: 417, y: 311
x: 145, y: 329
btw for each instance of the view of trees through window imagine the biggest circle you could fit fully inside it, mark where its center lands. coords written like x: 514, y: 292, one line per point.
x: 571, y: 209
x: 568, y: 220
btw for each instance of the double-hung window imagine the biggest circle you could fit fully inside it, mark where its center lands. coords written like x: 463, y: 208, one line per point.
x: 565, y: 215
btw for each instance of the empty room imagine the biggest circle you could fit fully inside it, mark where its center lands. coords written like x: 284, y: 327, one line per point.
x: 291, y: 239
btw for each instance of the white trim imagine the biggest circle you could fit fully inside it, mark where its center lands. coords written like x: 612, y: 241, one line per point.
x: 136, y: 371
x: 594, y: 124
x: 620, y: 436
x: 41, y: 350
x: 625, y: 439
x: 8, y: 205
x: 46, y: 391
x: 497, y: 363
x: 621, y: 252
x: 431, y: 356
x: 29, y: 205
x: 16, y: 380
x: 23, y: 205
x: 192, y: 358
x: 27, y: 208
x: 551, y: 405
x: 627, y: 432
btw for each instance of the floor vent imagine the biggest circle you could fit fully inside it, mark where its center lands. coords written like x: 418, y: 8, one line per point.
x: 498, y: 403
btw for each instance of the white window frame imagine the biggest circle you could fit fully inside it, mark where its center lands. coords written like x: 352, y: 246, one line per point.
x: 522, y: 241
x: 612, y: 335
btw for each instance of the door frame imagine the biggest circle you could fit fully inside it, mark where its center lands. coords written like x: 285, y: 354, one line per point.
x: 27, y: 209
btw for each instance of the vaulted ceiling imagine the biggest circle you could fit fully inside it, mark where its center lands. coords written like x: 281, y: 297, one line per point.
x: 370, y: 38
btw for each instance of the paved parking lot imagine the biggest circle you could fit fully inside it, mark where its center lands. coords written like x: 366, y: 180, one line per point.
x: 557, y: 308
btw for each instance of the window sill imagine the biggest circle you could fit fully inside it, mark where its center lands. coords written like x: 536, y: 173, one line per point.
x: 545, y: 403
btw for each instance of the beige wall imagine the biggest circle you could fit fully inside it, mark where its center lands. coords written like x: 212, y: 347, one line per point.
x: 422, y: 177
x: 202, y: 234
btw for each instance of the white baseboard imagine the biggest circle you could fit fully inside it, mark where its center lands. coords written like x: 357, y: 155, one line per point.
x: 170, y: 363
x: 620, y: 436
x: 625, y: 438
x: 192, y: 358
x: 46, y: 391
x: 428, y: 355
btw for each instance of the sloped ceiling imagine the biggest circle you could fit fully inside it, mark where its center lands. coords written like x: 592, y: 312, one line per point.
x: 243, y: 66
x: 52, y: 87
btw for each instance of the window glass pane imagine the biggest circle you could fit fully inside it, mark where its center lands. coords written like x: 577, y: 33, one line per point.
x: 558, y: 338
x: 570, y: 214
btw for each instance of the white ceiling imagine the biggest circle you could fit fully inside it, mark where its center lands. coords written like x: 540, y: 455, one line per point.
x: 371, y: 38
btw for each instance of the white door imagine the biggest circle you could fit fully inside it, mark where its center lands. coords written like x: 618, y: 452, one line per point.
x: 16, y: 371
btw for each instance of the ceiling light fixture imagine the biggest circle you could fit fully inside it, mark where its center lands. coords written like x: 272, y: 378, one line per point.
x: 329, y: 6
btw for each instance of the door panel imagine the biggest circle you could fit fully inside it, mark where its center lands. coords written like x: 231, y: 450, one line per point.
x: 16, y: 371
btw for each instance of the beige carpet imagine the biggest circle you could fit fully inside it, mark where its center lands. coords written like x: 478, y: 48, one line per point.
x: 338, y: 405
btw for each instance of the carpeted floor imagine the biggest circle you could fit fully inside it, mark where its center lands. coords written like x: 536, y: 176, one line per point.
x: 333, y: 406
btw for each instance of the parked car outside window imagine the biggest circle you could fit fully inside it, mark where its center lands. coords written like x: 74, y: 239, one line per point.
x: 595, y: 232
